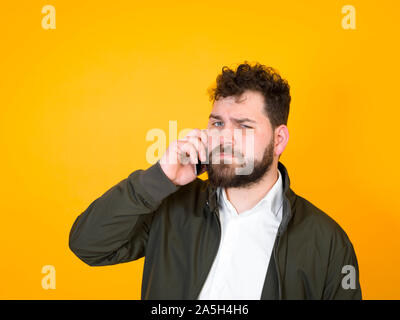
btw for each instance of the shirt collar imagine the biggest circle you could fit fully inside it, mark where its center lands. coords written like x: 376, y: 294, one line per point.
x: 272, y: 200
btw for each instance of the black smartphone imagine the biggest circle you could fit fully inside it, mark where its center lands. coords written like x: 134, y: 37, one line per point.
x: 201, y: 167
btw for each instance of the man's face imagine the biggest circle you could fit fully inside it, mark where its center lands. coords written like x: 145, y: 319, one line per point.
x: 240, y: 138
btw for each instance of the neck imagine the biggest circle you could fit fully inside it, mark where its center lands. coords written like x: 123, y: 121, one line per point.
x: 246, y: 198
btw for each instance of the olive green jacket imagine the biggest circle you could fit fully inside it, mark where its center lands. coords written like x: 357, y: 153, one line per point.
x: 178, y: 231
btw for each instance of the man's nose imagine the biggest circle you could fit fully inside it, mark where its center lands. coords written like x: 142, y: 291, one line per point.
x: 227, y: 136
x: 221, y: 137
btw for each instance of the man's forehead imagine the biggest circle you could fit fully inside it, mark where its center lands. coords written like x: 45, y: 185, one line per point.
x: 237, y: 111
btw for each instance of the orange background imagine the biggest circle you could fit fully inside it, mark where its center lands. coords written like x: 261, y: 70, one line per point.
x: 77, y: 102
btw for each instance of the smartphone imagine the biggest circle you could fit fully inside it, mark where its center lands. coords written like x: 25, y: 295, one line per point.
x: 201, y: 167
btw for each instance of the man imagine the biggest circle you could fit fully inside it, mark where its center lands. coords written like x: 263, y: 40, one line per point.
x: 241, y: 234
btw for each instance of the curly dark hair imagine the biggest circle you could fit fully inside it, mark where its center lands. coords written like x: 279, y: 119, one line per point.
x: 266, y: 80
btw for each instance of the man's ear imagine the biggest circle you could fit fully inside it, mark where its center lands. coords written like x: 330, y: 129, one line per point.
x: 281, y: 135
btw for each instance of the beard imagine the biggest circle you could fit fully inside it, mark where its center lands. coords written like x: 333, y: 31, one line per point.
x: 225, y: 176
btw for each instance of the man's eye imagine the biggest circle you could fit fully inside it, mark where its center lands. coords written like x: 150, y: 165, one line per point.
x: 247, y: 127
x: 216, y: 123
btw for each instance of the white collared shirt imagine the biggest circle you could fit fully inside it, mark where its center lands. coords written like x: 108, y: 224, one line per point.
x: 247, y: 239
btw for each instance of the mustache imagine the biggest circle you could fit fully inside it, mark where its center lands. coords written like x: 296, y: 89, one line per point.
x: 223, y: 149
x: 226, y: 149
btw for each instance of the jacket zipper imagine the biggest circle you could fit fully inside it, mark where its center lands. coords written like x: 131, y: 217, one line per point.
x: 277, y: 266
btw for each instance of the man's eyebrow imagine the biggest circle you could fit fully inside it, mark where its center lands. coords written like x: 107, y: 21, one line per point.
x: 243, y: 120
x: 215, y: 116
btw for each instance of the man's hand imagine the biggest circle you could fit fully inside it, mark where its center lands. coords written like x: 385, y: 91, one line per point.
x: 179, y: 160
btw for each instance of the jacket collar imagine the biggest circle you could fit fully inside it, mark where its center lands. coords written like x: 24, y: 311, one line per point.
x: 289, y: 198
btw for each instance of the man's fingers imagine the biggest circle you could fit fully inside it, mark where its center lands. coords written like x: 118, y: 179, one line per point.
x: 200, y: 147
x: 187, y: 148
x: 204, y: 138
x: 201, y: 144
x: 193, y: 133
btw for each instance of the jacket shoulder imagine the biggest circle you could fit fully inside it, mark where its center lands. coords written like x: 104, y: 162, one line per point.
x: 316, y: 239
x: 317, y: 221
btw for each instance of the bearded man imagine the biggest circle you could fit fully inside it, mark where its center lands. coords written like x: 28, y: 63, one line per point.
x: 241, y: 234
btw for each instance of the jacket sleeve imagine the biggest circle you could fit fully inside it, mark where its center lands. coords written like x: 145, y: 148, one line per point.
x: 115, y: 226
x: 342, y: 281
